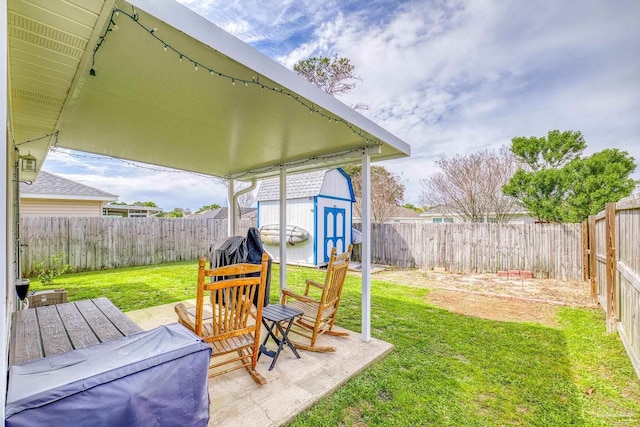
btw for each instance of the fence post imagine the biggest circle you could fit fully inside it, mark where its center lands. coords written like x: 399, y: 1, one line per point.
x: 610, y: 221
x: 593, y: 270
x: 585, y: 252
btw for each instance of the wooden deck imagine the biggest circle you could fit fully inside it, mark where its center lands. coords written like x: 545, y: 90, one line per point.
x: 45, y: 331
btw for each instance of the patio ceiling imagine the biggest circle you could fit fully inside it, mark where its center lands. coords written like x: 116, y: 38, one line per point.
x: 147, y: 105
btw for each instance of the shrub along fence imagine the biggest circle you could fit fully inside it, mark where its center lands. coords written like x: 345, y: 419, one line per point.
x: 548, y: 250
x: 613, y: 253
x: 101, y: 243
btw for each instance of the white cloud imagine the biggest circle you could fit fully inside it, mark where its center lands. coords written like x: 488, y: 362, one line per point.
x: 452, y: 77
x: 484, y: 72
x: 133, y: 182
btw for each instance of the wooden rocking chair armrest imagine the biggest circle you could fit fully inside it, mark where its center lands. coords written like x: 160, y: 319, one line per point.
x: 287, y: 293
x: 312, y: 283
x: 184, y: 317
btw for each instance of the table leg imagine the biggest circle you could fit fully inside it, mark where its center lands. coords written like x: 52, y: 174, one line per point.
x: 263, y: 347
x: 285, y: 337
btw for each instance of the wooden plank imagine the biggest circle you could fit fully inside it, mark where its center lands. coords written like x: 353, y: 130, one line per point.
x: 585, y: 251
x: 101, y: 326
x: 632, y: 352
x: 25, y: 338
x: 54, y: 336
x: 610, y: 236
x: 630, y: 202
x: 125, y: 325
x: 46, y: 331
x: 592, y: 258
x: 79, y: 331
x: 631, y: 276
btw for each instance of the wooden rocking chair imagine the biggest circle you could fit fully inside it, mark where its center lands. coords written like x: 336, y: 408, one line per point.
x: 319, y: 315
x: 228, y: 321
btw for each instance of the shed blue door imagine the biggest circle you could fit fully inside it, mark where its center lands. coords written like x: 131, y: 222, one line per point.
x: 334, y: 230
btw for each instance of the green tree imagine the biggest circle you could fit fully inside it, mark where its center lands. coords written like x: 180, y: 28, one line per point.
x: 555, y: 184
x: 412, y: 207
x: 176, y: 213
x: 598, y: 179
x: 147, y: 204
x: 208, y: 208
x: 335, y: 75
x: 550, y: 152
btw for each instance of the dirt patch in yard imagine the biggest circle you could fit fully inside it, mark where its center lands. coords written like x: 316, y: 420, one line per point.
x: 497, y: 298
x: 494, y: 308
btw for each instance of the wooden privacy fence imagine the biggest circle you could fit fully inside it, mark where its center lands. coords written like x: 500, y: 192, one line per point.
x: 105, y: 242
x: 613, y: 252
x: 548, y: 250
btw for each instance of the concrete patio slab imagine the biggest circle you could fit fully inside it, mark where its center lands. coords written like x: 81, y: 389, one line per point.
x: 292, y: 386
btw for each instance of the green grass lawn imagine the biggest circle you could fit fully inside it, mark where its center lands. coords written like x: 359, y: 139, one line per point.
x: 447, y: 369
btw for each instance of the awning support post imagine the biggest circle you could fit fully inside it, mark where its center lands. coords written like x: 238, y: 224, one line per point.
x: 366, y: 245
x: 283, y: 229
x: 231, y: 210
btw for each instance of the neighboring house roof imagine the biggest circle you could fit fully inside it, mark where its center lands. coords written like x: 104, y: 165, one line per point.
x: 435, y: 213
x: 222, y: 213
x: 50, y: 186
x: 298, y: 186
x: 402, y: 212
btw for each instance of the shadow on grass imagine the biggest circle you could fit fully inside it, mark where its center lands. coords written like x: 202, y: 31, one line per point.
x: 450, y: 369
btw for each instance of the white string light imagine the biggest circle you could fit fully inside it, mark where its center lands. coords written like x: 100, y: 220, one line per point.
x: 49, y: 135
x: 181, y: 55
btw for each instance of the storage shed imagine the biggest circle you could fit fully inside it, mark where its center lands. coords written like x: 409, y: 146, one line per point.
x: 319, y: 215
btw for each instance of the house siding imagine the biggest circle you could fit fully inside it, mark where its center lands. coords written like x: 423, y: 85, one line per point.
x: 67, y: 208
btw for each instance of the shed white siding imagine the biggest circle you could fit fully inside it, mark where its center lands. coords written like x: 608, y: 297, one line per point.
x: 335, y: 184
x: 300, y: 214
x: 320, y: 203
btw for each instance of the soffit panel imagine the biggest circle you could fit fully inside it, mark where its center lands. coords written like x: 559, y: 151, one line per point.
x: 47, y: 40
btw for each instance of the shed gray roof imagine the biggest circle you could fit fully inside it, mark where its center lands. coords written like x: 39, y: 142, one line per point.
x: 298, y: 186
x: 52, y: 186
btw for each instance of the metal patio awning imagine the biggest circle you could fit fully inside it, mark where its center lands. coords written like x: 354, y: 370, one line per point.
x: 170, y: 88
x: 236, y: 114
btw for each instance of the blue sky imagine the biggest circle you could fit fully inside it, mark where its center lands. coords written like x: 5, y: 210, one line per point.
x: 448, y: 77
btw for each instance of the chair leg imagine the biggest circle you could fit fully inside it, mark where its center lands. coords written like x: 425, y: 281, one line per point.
x: 315, y: 348
x: 331, y: 332
x: 250, y: 366
x: 314, y: 337
x: 337, y: 333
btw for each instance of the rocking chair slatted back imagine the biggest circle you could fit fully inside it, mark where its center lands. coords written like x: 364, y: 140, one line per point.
x: 225, y: 316
x: 319, y: 314
x: 236, y: 296
x: 334, y: 281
